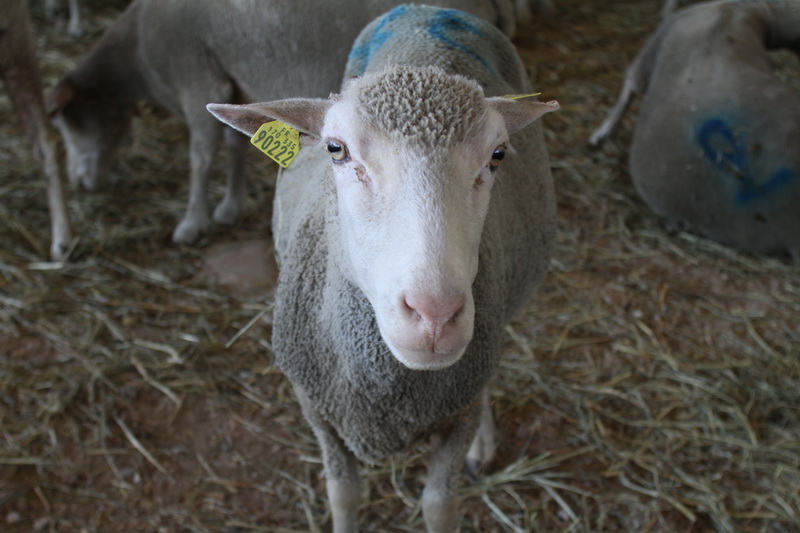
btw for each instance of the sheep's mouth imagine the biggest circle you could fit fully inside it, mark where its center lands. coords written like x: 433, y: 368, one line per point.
x: 427, y: 359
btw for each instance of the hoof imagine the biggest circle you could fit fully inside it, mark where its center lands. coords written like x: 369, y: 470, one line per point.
x: 58, y: 250
x: 188, y: 231
x: 227, y: 213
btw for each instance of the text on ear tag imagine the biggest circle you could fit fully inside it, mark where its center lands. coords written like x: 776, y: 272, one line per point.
x: 279, y: 141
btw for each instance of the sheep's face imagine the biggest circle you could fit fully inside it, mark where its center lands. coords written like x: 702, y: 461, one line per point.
x: 92, y: 130
x: 412, y: 215
x: 414, y: 155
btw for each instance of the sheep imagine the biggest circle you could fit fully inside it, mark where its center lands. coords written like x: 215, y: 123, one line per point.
x: 20, y: 73
x: 716, y: 145
x: 232, y: 51
x: 406, y: 244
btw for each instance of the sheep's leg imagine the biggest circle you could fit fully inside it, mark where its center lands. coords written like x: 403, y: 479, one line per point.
x: 229, y: 210
x: 637, y: 78
x: 634, y: 82
x: 523, y: 10
x: 60, y: 228
x: 524, y: 13
x: 343, y: 482
x: 43, y: 139
x: 607, y: 127
x: 483, y: 445
x: 74, y: 28
x: 23, y: 82
x: 204, y: 136
x: 449, y: 450
x: 50, y: 8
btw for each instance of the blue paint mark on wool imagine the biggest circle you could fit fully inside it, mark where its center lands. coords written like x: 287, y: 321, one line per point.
x: 363, y: 52
x: 447, y: 26
x: 448, y: 22
x: 722, y: 148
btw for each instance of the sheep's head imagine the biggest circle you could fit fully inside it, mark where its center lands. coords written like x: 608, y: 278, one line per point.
x: 93, y: 127
x: 414, y: 154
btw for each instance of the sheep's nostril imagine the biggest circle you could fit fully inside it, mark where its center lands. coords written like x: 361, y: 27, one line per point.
x: 434, y: 312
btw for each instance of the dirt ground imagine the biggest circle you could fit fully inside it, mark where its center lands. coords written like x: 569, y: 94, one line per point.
x: 652, y: 385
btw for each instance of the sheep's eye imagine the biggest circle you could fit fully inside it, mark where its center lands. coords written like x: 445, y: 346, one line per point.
x: 497, y: 156
x: 338, y: 151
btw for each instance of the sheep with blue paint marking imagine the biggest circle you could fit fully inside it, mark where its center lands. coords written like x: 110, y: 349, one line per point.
x: 716, y: 144
x: 407, y: 240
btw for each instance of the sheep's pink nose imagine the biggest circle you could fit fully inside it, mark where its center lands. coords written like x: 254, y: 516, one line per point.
x: 434, y: 313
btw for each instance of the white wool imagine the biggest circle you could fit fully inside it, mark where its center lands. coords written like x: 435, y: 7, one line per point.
x: 420, y: 104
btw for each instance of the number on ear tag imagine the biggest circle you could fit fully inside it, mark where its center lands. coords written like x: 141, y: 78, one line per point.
x: 279, y: 141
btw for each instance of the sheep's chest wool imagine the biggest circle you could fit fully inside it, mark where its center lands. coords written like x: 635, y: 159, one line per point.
x: 338, y: 360
x: 325, y: 333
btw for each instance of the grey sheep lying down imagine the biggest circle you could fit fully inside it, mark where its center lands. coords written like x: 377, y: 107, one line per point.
x: 716, y: 144
x: 412, y: 228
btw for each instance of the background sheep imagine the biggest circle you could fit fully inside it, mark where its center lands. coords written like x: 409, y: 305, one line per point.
x: 226, y: 51
x: 20, y: 73
x: 394, y: 254
x: 717, y: 140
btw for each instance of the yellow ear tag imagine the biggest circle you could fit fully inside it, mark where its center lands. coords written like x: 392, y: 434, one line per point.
x: 519, y: 96
x: 279, y: 141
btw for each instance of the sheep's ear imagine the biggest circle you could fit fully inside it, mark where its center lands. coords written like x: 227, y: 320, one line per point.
x: 520, y: 113
x: 304, y: 114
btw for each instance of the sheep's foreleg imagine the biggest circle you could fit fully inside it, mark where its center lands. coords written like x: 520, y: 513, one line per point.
x: 483, y: 445
x: 605, y: 129
x: 204, y: 133
x: 341, y: 470
x: 20, y: 73
x: 448, y: 452
x: 344, y: 491
x: 74, y: 28
x: 232, y: 205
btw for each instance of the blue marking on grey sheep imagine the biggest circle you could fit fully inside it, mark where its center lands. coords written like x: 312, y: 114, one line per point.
x: 722, y: 148
x: 716, y: 147
x: 449, y: 21
x: 364, y: 51
x: 447, y: 27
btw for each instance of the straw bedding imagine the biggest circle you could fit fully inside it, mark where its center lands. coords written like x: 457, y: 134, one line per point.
x: 652, y: 385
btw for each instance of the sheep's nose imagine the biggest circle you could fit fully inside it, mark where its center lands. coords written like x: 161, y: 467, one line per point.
x: 434, y: 313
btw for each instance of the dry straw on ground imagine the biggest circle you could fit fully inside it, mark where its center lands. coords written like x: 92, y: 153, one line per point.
x: 652, y: 385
